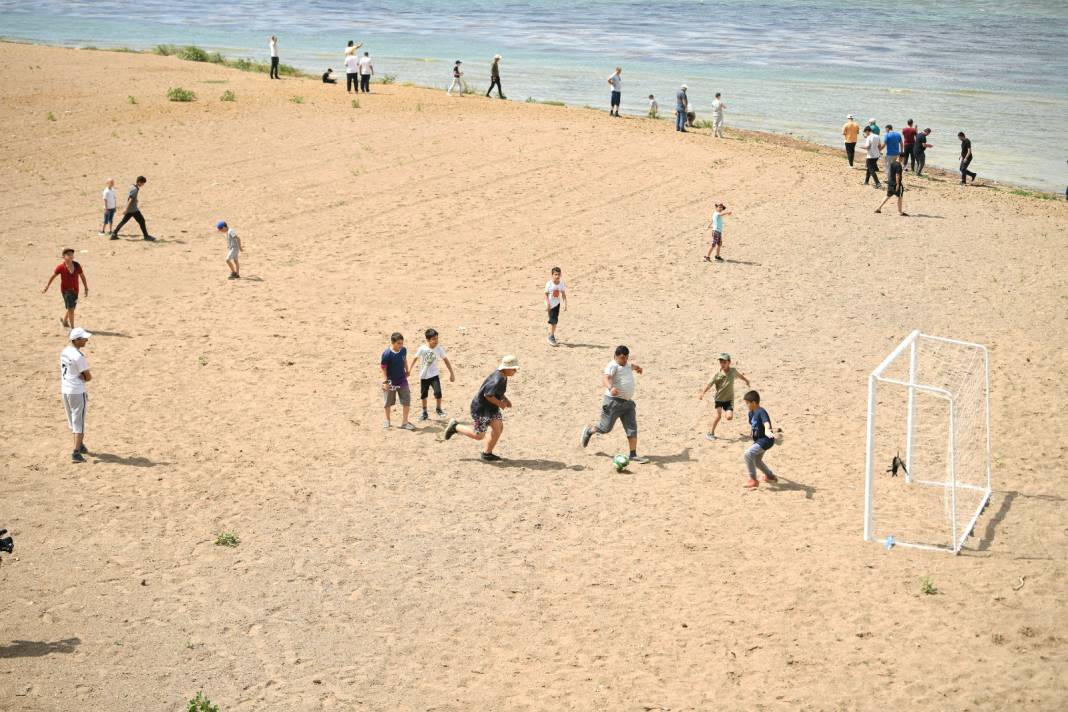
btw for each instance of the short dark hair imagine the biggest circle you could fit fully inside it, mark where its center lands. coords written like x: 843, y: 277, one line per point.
x: 395, y: 337
x: 752, y: 397
x: 889, y: 127
x: 717, y: 94
x: 141, y: 179
x: 910, y: 122
x: 622, y: 351
x: 555, y: 270
x: 69, y: 251
x: 430, y: 334
x: 867, y: 129
x: 960, y: 134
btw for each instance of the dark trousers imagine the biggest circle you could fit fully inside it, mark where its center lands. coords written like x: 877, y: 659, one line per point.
x: 136, y: 215
x: 919, y: 160
x: 365, y: 83
x: 872, y: 171
x: 274, y: 67
x: 850, y: 150
x: 964, y: 172
x: 352, y: 82
x: 495, y: 82
x: 906, y: 155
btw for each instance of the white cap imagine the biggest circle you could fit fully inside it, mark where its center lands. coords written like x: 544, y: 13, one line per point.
x: 850, y: 117
x: 496, y: 56
x: 684, y: 87
x: 79, y: 333
x: 508, y: 362
x: 871, y: 121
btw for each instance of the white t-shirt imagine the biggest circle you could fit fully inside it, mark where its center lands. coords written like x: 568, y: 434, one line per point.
x: 71, y: 364
x: 365, y: 65
x: 717, y: 108
x: 555, y: 292
x: 352, y: 64
x: 654, y: 106
x: 274, y: 48
x: 616, y: 81
x: 872, y: 144
x: 109, y: 198
x: 429, y: 358
x: 231, y: 239
x: 622, y: 380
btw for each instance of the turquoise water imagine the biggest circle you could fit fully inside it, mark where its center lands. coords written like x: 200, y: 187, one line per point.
x: 997, y: 71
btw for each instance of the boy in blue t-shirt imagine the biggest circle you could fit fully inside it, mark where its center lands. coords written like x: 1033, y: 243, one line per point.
x: 763, y: 440
x: 395, y: 379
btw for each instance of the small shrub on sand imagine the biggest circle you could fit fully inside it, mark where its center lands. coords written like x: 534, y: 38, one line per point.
x: 387, y: 79
x: 179, y: 94
x: 192, y: 54
x: 703, y: 124
x: 227, y: 539
x: 927, y: 586
x: 51, y: 116
x: 164, y: 50
x: 297, y: 99
x: 227, y: 96
x: 131, y: 100
x: 355, y: 103
x: 200, y: 703
x: 419, y: 106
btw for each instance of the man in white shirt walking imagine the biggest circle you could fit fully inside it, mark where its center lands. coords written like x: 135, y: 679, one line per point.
x: 873, y: 145
x: 366, y: 70
x: 273, y: 43
x: 74, y: 374
x: 717, y: 116
x: 616, y: 82
x: 109, y: 207
x: 352, y: 73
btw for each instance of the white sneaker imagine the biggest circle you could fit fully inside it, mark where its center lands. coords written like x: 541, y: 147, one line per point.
x: 710, y: 436
x: 386, y: 426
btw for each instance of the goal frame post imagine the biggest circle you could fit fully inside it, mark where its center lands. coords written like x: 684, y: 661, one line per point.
x: 958, y: 535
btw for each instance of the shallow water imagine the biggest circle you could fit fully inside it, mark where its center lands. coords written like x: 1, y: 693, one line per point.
x: 998, y: 71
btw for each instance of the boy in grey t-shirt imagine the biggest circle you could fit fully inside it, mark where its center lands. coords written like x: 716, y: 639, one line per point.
x: 618, y: 402
x: 233, y: 249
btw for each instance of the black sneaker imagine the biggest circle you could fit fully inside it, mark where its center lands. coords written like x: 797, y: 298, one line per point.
x: 424, y: 416
x: 83, y: 449
x: 490, y: 457
x: 587, y: 433
x: 76, y: 457
x: 718, y: 258
x: 440, y: 413
x: 450, y: 429
x: 114, y: 236
x: 232, y: 276
x: 148, y: 238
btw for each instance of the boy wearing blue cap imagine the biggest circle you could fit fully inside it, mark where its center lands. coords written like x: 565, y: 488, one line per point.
x: 233, y: 245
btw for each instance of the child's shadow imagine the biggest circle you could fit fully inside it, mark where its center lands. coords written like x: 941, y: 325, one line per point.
x: 567, y: 345
x: 252, y: 279
x: 791, y: 486
x: 659, y: 460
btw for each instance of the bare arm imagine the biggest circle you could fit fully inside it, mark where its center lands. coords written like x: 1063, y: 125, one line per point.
x: 563, y: 295
x: 452, y: 376
x: 85, y: 284
x: 50, y: 280
x: 608, y: 384
x: 742, y: 376
x: 385, y: 378
x: 86, y: 376
x: 637, y: 369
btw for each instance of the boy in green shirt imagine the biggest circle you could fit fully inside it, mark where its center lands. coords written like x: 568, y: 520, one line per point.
x: 723, y: 382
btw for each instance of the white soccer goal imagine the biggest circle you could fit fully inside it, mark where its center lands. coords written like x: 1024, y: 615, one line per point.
x: 928, y: 423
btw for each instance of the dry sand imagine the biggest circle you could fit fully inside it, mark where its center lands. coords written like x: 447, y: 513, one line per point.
x: 390, y: 571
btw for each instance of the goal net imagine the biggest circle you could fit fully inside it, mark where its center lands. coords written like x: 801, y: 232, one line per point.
x: 927, y: 475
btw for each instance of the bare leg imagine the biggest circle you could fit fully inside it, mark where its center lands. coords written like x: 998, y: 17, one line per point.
x: 237, y: 268
x: 78, y: 438
x: 880, y: 208
x: 715, y: 421
x: 469, y: 432
x: 424, y: 404
x: 496, y: 428
x: 70, y: 318
x: 404, y: 413
x: 633, y: 442
x: 387, y: 409
x: 718, y: 248
x: 900, y: 205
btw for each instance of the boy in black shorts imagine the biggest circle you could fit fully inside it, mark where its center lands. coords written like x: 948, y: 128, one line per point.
x: 486, y: 409
x: 555, y: 295
x: 69, y: 272
x: 723, y: 382
x: 429, y: 355
x: 894, y: 185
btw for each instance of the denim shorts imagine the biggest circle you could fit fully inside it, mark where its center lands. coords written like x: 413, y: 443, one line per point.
x: 70, y: 299
x: 109, y: 215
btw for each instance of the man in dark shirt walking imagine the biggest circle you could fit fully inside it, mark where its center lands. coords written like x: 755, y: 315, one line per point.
x: 131, y: 212
x: 495, y: 77
x: 965, y: 158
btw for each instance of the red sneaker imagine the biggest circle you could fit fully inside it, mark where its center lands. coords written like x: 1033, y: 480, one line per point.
x: 752, y: 484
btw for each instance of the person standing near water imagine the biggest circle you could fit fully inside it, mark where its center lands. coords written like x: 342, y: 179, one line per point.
x: 682, y: 105
x: 872, y: 145
x: 352, y: 74
x: 919, y: 151
x: 873, y: 126
x: 274, y: 57
x: 892, y: 142
x: 366, y: 70
x: 616, y: 82
x: 717, y: 116
x: 352, y: 48
x: 909, y: 134
x: 850, y: 130
x: 495, y: 77
x: 965, y: 158
x: 457, y: 79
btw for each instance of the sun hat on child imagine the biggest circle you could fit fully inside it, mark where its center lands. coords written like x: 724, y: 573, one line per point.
x: 496, y: 56
x: 79, y: 333
x: 724, y: 356
x: 508, y: 362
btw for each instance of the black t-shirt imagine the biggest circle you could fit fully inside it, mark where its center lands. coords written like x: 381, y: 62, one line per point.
x: 920, y: 147
x: 326, y: 75
x: 893, y: 177
x: 495, y: 385
x: 965, y: 147
x: 456, y: 71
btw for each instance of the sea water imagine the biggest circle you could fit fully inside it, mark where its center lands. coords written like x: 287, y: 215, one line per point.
x: 996, y: 70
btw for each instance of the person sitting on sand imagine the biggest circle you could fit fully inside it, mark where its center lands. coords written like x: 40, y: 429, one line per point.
x: 895, y: 173
x: 328, y: 76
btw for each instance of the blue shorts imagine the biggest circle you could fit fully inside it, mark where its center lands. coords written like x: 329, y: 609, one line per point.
x: 615, y: 98
x: 109, y: 215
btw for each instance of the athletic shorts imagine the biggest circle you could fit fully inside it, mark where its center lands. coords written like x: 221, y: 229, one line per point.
x: 75, y: 405
x: 109, y: 215
x: 613, y: 409
x: 615, y: 98
x: 717, y: 238
x: 554, y: 315
x: 390, y: 397
x: 70, y: 299
x: 481, y: 421
x: 725, y: 405
x: 231, y: 256
x: 897, y: 190
x: 425, y: 384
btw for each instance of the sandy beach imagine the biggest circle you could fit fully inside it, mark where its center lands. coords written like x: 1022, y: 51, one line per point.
x: 386, y: 570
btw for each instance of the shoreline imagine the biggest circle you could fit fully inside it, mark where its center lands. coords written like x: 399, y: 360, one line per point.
x: 780, y: 139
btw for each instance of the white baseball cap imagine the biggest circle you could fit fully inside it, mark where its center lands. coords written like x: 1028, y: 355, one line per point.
x: 79, y: 333
x: 496, y: 56
x: 508, y: 362
x: 684, y: 87
x: 850, y: 117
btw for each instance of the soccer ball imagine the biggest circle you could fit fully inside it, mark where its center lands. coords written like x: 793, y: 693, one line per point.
x: 620, y: 462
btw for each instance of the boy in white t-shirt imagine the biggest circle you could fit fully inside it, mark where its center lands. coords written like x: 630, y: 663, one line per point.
x: 73, y: 375
x: 109, y: 207
x: 233, y: 249
x: 429, y: 355
x: 654, y: 108
x: 555, y: 295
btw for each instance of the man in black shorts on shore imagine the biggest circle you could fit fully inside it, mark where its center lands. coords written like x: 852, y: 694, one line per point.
x: 894, y: 185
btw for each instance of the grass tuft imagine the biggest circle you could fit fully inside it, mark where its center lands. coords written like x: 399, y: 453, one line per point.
x: 179, y: 94
x: 297, y: 99
x: 51, y: 116
x: 927, y: 586
x: 200, y: 703
x: 355, y: 103
x: 227, y: 539
x: 1034, y: 194
x: 227, y: 96
x: 131, y: 100
x: 387, y: 79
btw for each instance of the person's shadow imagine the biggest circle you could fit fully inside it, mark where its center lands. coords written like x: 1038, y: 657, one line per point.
x: 120, y: 460
x: 790, y: 486
x: 661, y: 461
x: 544, y: 465
x: 37, y: 648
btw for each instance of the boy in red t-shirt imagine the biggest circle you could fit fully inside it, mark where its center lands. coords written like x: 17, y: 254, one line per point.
x: 69, y: 271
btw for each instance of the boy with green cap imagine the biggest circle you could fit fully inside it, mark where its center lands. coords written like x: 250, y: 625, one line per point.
x: 723, y: 382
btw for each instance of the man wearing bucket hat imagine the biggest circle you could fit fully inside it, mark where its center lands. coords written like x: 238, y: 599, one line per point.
x: 850, y: 131
x: 723, y: 382
x: 74, y: 374
x: 495, y: 77
x: 486, y: 409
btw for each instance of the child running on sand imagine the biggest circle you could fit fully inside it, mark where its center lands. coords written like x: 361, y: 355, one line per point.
x: 395, y: 380
x: 233, y: 246
x: 763, y: 440
x: 717, y: 231
x: 429, y: 354
x: 486, y: 409
x: 723, y: 382
x: 618, y: 403
x: 555, y: 295
x: 69, y: 272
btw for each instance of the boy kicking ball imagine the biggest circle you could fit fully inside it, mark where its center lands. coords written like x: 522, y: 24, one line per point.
x: 555, y: 295
x: 233, y: 246
x: 618, y: 402
x: 717, y: 231
x: 763, y: 440
x: 486, y: 409
x: 723, y: 382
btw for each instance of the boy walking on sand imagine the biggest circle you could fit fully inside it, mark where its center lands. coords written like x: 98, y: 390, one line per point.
x: 618, y: 403
x: 895, y: 185
x: 717, y: 231
x: 457, y: 79
x: 555, y: 295
x: 873, y: 146
x: 763, y: 440
x: 486, y: 409
x: 429, y: 355
x: 132, y: 212
x: 394, y: 365
x: 654, y: 108
x: 73, y: 375
x: 69, y: 273
x: 723, y: 382
x: 109, y: 207
x: 233, y: 249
